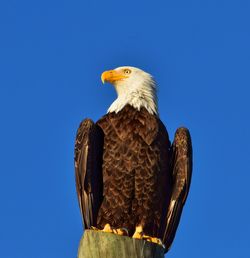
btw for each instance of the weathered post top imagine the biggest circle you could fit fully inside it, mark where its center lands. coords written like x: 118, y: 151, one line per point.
x: 97, y: 244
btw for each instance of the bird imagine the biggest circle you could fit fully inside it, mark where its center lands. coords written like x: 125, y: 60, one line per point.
x: 130, y: 179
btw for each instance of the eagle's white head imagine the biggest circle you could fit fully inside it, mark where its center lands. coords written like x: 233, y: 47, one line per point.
x: 134, y: 87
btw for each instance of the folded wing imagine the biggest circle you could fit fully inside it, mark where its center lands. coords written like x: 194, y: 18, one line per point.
x: 181, y: 167
x: 88, y: 170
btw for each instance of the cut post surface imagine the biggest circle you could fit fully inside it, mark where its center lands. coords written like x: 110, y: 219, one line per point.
x: 97, y: 244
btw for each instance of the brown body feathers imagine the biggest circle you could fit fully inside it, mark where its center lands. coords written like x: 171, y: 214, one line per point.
x: 128, y: 174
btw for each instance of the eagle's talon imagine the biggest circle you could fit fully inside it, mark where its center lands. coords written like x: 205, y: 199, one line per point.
x: 138, y: 232
x: 153, y: 240
x: 121, y: 231
x: 107, y: 229
x: 94, y: 228
x: 137, y: 235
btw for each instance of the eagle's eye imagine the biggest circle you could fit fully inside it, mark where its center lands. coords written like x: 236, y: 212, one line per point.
x: 127, y: 71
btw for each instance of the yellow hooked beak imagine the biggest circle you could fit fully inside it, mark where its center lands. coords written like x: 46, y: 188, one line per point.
x: 112, y: 76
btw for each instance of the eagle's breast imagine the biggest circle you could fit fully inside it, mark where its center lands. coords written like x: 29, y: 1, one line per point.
x: 135, y: 158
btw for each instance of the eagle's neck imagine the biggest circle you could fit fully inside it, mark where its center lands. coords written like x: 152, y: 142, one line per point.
x: 139, y: 97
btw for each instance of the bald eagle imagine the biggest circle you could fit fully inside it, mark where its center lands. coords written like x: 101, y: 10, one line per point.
x: 130, y: 179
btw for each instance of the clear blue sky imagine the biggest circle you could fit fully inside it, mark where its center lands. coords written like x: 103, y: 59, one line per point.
x: 51, y: 56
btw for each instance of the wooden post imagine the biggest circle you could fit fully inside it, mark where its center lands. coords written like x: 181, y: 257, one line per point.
x: 97, y: 244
